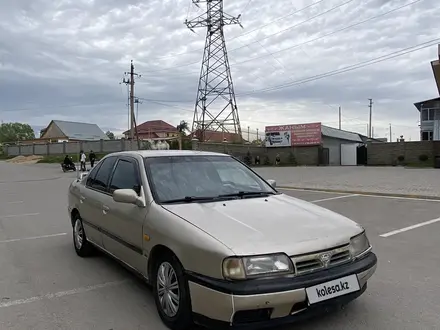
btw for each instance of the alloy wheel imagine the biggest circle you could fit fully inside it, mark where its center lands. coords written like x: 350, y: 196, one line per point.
x: 168, y: 289
x: 78, y: 234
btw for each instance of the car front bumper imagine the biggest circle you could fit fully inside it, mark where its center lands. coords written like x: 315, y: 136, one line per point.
x: 268, y: 302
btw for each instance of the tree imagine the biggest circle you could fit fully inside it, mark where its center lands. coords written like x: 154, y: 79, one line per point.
x: 182, y: 128
x: 13, y: 132
x: 110, y: 135
x: 42, y: 131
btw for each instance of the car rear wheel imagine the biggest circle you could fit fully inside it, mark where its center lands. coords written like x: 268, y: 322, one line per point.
x: 171, y: 293
x: 82, y: 247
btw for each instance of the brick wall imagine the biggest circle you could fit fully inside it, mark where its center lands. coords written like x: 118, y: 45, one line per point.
x: 388, y: 153
x: 303, y: 155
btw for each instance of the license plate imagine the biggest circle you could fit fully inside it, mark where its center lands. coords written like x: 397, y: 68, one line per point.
x: 332, y: 289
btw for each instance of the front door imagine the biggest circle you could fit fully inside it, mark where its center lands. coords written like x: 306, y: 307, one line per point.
x: 122, y: 229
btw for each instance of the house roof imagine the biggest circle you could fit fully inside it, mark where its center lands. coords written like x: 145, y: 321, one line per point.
x: 154, y: 126
x: 436, y: 70
x: 340, y: 134
x: 80, y: 131
x: 427, y: 103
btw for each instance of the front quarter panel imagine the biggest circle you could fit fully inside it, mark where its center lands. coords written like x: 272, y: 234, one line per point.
x: 73, y: 196
x: 197, y: 251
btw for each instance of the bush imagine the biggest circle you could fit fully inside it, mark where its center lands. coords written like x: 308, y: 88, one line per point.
x: 248, y: 159
x: 423, y: 158
x: 292, y: 159
x: 266, y: 160
x: 401, y: 158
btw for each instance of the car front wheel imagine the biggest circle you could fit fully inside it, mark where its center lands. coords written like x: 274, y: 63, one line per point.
x: 82, y: 247
x: 171, y: 293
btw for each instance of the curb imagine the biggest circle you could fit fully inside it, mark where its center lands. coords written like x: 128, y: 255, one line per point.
x: 364, y: 193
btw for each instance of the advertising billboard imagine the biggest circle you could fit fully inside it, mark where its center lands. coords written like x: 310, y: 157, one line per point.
x: 293, y: 135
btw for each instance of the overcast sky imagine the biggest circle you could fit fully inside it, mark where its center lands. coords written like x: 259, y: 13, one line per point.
x: 64, y: 59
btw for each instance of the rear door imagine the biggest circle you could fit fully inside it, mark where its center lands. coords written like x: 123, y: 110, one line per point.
x: 122, y: 228
x: 86, y: 209
x: 95, y: 195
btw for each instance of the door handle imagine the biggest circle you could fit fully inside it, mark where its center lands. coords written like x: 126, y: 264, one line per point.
x: 105, y: 209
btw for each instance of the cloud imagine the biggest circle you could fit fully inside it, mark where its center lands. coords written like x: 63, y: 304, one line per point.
x: 65, y: 59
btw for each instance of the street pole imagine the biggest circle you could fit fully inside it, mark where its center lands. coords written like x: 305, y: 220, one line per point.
x: 131, y: 101
x: 391, y: 135
x: 248, y: 134
x: 339, y: 117
x: 371, y: 114
x: 258, y: 137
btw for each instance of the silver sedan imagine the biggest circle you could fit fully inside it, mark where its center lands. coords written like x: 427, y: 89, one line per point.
x: 219, y: 244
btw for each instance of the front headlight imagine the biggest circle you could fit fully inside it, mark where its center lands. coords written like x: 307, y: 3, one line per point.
x: 239, y: 268
x: 359, y: 245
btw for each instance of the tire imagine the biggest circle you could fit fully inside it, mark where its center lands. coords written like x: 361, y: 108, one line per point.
x: 82, y: 247
x: 182, y: 318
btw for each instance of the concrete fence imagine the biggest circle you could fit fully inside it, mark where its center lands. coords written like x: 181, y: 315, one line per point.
x: 63, y: 148
x: 303, y: 155
x: 389, y: 153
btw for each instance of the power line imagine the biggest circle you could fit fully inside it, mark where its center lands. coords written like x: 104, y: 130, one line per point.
x: 245, y: 33
x: 345, y: 28
x: 268, y: 89
x: 60, y: 106
x: 264, y: 38
x: 345, y: 69
x: 245, y: 7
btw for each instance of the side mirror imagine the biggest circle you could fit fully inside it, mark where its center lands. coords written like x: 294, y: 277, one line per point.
x: 127, y: 196
x: 273, y: 183
x: 81, y: 175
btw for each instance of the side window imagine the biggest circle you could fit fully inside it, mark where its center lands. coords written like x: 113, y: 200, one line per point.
x: 92, y: 175
x: 100, y: 181
x: 125, y: 176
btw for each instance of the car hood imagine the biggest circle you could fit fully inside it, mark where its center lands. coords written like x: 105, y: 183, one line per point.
x: 276, y: 223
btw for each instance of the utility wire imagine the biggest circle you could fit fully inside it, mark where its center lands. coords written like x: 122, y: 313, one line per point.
x: 246, y: 6
x: 264, y: 38
x: 245, y: 33
x: 293, y: 46
x: 346, y: 68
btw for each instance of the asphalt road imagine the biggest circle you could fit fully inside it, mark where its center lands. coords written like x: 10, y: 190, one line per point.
x: 44, y: 285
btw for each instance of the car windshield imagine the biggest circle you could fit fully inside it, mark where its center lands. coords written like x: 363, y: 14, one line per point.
x: 197, y: 178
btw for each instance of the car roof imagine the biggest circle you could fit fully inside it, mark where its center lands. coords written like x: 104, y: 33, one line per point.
x: 168, y: 153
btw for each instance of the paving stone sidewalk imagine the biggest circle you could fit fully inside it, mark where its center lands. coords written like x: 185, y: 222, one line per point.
x: 387, y: 180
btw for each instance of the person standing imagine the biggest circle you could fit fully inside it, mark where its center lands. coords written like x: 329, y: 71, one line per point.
x: 83, y: 161
x: 92, y: 158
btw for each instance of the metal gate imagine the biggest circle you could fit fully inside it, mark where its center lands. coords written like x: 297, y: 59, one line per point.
x: 362, y: 155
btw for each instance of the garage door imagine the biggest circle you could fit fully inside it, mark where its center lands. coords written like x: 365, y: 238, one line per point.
x: 349, y: 154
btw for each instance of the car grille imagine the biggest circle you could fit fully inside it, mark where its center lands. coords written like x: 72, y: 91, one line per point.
x: 308, y: 263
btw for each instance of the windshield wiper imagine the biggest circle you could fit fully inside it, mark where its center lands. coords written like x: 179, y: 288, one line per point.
x: 249, y: 193
x: 189, y: 199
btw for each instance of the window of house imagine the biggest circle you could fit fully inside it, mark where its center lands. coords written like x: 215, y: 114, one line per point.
x: 427, y: 136
x: 428, y: 114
